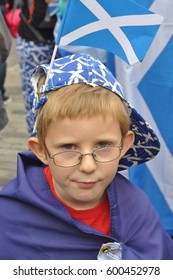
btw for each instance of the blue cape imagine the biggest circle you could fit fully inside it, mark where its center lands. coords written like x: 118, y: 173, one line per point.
x: 35, y: 225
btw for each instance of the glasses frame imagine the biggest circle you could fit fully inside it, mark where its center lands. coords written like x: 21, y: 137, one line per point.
x: 82, y: 155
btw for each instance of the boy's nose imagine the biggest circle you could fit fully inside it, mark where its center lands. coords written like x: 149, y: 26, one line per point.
x: 88, y: 164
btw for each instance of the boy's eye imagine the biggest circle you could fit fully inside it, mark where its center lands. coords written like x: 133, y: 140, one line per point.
x: 69, y: 147
x: 103, y: 145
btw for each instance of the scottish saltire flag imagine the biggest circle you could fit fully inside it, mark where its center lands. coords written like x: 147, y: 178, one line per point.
x: 119, y: 26
x: 149, y: 87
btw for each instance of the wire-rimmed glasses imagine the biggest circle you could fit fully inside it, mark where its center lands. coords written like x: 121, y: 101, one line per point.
x: 73, y: 158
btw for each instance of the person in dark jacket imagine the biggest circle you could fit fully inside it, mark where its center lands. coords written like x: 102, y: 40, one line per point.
x: 35, y: 45
x: 3, y: 97
x: 69, y: 201
x: 3, y: 66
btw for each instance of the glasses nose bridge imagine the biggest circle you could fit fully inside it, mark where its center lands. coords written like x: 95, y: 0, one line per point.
x: 86, y: 154
x: 88, y: 165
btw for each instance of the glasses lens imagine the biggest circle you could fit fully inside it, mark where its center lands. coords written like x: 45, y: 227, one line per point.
x: 72, y: 158
x: 107, y: 154
x: 67, y: 159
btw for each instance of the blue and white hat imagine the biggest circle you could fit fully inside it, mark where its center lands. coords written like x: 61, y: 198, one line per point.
x: 82, y: 68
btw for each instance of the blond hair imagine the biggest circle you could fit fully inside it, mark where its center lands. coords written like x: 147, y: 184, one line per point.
x: 80, y: 100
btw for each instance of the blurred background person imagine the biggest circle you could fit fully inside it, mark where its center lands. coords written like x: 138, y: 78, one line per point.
x: 3, y: 56
x: 35, y: 45
x: 3, y: 66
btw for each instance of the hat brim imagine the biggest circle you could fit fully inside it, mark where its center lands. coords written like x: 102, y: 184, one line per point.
x: 146, y: 144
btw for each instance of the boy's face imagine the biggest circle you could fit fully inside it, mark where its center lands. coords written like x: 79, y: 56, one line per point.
x: 83, y: 186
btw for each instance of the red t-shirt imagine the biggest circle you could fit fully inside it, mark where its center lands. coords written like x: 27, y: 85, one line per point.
x: 97, y: 217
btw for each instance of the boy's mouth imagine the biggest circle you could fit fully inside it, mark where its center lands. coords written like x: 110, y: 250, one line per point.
x: 86, y: 184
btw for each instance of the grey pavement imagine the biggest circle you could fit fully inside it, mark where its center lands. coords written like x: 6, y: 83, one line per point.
x: 13, y: 138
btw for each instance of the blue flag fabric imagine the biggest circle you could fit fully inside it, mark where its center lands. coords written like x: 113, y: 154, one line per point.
x: 149, y: 88
x: 121, y: 27
x: 53, y: 8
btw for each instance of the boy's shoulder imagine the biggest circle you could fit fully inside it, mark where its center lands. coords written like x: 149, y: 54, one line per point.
x: 29, y: 169
x: 124, y: 192
x: 124, y: 186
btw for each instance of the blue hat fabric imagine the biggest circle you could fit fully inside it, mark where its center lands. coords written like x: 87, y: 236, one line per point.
x: 82, y: 68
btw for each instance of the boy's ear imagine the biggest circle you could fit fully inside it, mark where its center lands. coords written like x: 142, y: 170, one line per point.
x: 37, y: 149
x: 128, y: 141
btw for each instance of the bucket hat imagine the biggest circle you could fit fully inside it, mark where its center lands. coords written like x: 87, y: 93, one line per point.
x: 82, y: 68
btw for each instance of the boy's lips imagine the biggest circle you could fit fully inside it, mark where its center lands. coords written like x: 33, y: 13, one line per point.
x: 86, y: 184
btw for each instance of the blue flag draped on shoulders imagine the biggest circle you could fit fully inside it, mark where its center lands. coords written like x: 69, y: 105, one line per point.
x: 119, y: 26
x: 149, y: 88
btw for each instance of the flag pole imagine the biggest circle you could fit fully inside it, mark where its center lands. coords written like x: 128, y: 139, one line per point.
x: 47, y: 78
x: 51, y: 64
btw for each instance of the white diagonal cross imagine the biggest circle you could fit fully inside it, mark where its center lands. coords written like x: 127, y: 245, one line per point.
x: 113, y: 24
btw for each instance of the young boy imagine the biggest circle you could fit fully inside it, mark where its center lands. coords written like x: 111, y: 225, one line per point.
x: 68, y: 201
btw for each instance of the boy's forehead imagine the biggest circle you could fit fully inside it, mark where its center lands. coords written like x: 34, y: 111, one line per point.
x: 95, y: 126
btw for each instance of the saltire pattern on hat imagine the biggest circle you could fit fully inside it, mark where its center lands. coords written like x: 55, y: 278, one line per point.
x: 121, y: 27
x: 149, y: 88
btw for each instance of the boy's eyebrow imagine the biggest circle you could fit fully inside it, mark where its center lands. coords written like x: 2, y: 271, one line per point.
x: 103, y: 138
x: 115, y: 140
x: 59, y: 144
